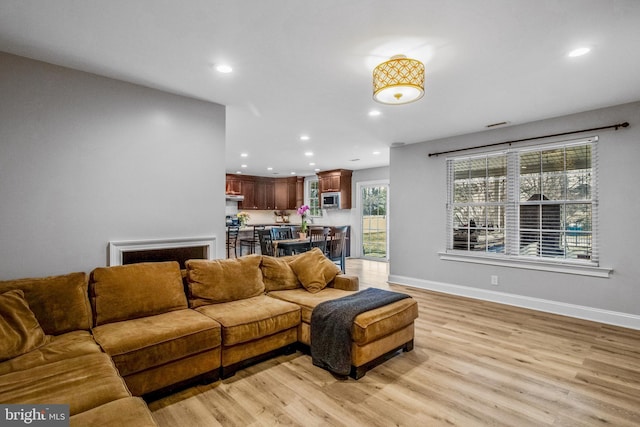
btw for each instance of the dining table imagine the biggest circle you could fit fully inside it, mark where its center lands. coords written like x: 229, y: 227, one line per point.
x: 291, y: 246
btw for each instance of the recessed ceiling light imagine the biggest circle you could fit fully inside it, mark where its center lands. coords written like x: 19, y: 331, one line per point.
x: 293, y: 173
x: 374, y: 113
x: 316, y: 170
x: 269, y: 168
x: 308, y: 153
x: 244, y: 155
x: 239, y: 172
x: 312, y: 164
x: 579, y: 52
x: 224, y: 68
x: 304, y: 137
x: 376, y: 152
x: 243, y: 166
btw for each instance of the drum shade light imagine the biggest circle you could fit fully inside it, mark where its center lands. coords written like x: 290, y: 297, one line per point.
x: 399, y: 80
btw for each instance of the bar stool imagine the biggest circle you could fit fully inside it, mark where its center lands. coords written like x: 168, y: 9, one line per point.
x: 253, y: 242
x: 232, y: 240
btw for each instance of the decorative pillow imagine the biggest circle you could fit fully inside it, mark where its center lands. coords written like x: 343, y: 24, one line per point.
x: 60, y: 303
x: 278, y: 275
x: 20, y: 331
x: 314, y: 270
x: 137, y: 290
x: 223, y: 280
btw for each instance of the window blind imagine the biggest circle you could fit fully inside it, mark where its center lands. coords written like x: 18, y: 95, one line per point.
x: 536, y: 202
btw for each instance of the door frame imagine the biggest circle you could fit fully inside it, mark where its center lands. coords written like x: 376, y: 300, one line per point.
x: 357, y: 236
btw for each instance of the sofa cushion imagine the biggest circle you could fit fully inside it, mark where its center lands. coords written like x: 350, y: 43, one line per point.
x: 136, y: 290
x: 83, y: 382
x: 314, y: 270
x: 277, y: 273
x: 139, y: 344
x: 60, y: 303
x: 374, y: 324
x: 57, y: 347
x: 251, y: 318
x: 223, y: 280
x: 306, y: 300
x: 130, y: 411
x: 20, y: 331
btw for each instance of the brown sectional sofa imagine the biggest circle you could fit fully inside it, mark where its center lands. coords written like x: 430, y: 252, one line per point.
x: 64, y: 364
x: 142, y: 320
x: 139, y: 329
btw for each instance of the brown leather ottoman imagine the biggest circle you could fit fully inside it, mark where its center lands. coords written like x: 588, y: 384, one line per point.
x: 376, y: 334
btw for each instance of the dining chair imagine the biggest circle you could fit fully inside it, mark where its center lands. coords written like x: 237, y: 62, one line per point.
x: 232, y: 240
x: 252, y: 242
x: 318, y: 237
x: 266, y: 242
x: 281, y: 233
x: 336, y: 246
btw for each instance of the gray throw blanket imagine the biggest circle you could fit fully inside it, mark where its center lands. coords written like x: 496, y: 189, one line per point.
x: 331, y: 323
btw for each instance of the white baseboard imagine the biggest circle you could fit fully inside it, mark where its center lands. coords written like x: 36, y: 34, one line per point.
x: 625, y: 320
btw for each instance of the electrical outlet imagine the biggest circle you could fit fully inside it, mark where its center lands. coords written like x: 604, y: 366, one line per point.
x: 494, y: 280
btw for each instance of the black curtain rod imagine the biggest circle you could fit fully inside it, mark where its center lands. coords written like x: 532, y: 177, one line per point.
x: 616, y: 126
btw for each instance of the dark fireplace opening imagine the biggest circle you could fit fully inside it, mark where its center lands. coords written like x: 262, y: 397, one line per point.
x: 181, y: 255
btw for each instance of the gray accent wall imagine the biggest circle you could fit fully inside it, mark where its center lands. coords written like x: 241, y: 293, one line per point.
x: 86, y: 159
x: 419, y: 217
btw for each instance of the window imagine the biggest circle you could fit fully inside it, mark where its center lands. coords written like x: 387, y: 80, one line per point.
x: 313, y: 190
x: 533, y: 203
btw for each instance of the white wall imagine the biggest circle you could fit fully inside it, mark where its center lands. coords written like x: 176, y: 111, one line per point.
x: 418, y: 223
x: 86, y: 159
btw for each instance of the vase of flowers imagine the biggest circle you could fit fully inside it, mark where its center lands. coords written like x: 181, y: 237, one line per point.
x: 243, y: 217
x: 302, y: 211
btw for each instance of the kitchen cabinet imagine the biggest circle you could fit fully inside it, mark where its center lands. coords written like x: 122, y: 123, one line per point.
x: 234, y: 185
x: 285, y: 193
x: 299, y: 191
x: 262, y: 193
x: 249, y: 192
x: 337, y: 181
x: 265, y: 194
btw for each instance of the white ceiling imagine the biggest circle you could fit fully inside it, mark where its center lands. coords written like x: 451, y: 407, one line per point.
x: 304, y: 66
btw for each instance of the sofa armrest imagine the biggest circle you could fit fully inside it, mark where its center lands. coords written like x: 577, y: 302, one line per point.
x: 346, y: 282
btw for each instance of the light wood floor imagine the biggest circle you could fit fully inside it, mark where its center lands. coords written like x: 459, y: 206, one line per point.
x: 474, y: 364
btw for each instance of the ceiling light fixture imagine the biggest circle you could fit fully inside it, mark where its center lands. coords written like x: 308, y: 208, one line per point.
x: 374, y: 113
x: 304, y: 138
x: 399, y: 80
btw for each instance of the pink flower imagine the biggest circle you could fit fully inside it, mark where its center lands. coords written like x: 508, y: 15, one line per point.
x: 302, y: 210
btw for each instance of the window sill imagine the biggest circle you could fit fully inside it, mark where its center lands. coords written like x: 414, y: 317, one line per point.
x: 529, y: 264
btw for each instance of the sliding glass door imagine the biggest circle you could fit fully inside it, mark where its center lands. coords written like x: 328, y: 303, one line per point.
x: 374, y: 221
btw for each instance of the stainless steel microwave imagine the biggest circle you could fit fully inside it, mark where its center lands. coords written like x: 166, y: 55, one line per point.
x: 330, y: 200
